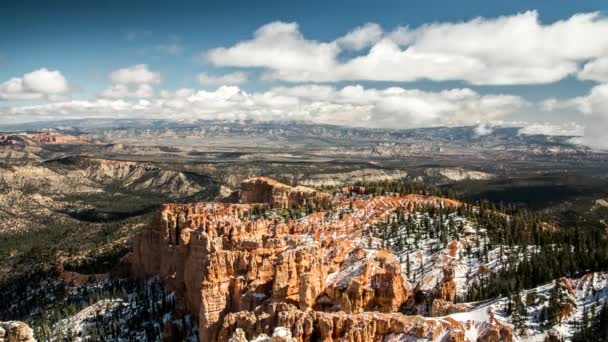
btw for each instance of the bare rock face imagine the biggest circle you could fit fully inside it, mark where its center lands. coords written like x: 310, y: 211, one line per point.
x: 313, y: 325
x: 568, y: 303
x: 220, y: 261
x: 50, y: 138
x: 15, y: 331
x: 494, y: 331
x: 243, y: 276
x: 238, y: 336
x: 276, y: 194
x: 45, y: 138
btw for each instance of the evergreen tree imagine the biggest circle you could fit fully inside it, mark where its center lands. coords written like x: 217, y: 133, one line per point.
x: 555, y: 305
x: 519, y: 315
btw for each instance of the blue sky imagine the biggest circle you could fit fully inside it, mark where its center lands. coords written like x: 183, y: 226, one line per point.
x: 83, y: 42
x: 88, y: 39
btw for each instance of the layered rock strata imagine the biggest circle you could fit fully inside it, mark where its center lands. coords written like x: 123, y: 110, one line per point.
x: 314, y: 276
x: 276, y: 194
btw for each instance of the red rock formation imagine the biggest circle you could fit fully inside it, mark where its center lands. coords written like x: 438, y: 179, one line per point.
x: 53, y: 138
x: 495, y: 331
x: 78, y: 279
x: 568, y: 304
x: 313, y: 325
x: 269, y: 191
x: 15, y: 331
x: 312, y: 275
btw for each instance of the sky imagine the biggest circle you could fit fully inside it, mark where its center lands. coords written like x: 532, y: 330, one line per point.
x: 539, y: 65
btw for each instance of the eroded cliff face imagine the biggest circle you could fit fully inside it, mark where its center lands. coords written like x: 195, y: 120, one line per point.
x: 314, y: 275
x: 55, y: 138
x: 15, y: 331
x: 276, y: 194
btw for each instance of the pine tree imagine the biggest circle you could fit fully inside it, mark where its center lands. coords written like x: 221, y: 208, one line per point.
x: 510, y: 305
x: 520, y: 314
x: 555, y: 306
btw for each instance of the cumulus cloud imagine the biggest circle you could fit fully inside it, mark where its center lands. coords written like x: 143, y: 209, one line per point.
x: 594, y: 110
x: 136, y: 74
x: 280, y: 47
x: 234, y: 78
x: 41, y: 83
x: 516, y: 49
x: 132, y: 82
x: 361, y: 37
x: 595, y: 70
x: 356, y: 105
x: 120, y: 91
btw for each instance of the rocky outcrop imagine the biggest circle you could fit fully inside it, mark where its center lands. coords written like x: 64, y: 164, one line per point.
x: 78, y: 279
x: 49, y: 138
x: 14, y: 141
x: 268, y: 191
x: 30, y: 139
x: 15, y: 331
x: 134, y: 176
x: 458, y: 174
x: 315, y: 276
x: 310, y: 325
x: 345, y: 178
x: 568, y: 302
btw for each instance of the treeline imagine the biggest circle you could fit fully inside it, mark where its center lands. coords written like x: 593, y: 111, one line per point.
x: 266, y: 211
x: 567, y: 246
x: 592, y: 326
x: 98, y: 262
x: 125, y: 310
x: 404, y: 186
x: 547, y: 253
x: 22, y: 295
x: 407, y: 229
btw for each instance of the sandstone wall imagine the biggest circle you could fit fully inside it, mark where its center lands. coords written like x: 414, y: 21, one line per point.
x: 269, y: 191
x: 314, y: 275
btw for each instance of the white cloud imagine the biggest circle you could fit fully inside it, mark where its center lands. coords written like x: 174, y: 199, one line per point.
x: 41, y: 83
x: 280, y: 47
x: 548, y: 128
x: 45, y: 82
x: 361, y: 37
x: 234, y: 78
x: 351, y: 105
x: 596, y: 70
x: 132, y: 82
x: 120, y: 91
x: 594, y: 110
x: 516, y: 49
x: 136, y: 74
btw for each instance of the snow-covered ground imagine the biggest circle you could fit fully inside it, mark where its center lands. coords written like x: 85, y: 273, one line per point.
x: 425, y: 255
x: 582, y: 292
x: 111, y: 310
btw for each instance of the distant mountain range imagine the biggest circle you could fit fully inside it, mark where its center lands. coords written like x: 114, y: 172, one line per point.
x: 298, y: 130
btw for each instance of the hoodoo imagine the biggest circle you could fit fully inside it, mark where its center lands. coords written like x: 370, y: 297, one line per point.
x: 314, y: 276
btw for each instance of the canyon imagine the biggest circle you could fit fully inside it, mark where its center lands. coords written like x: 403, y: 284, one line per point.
x: 316, y: 275
x: 294, y: 232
